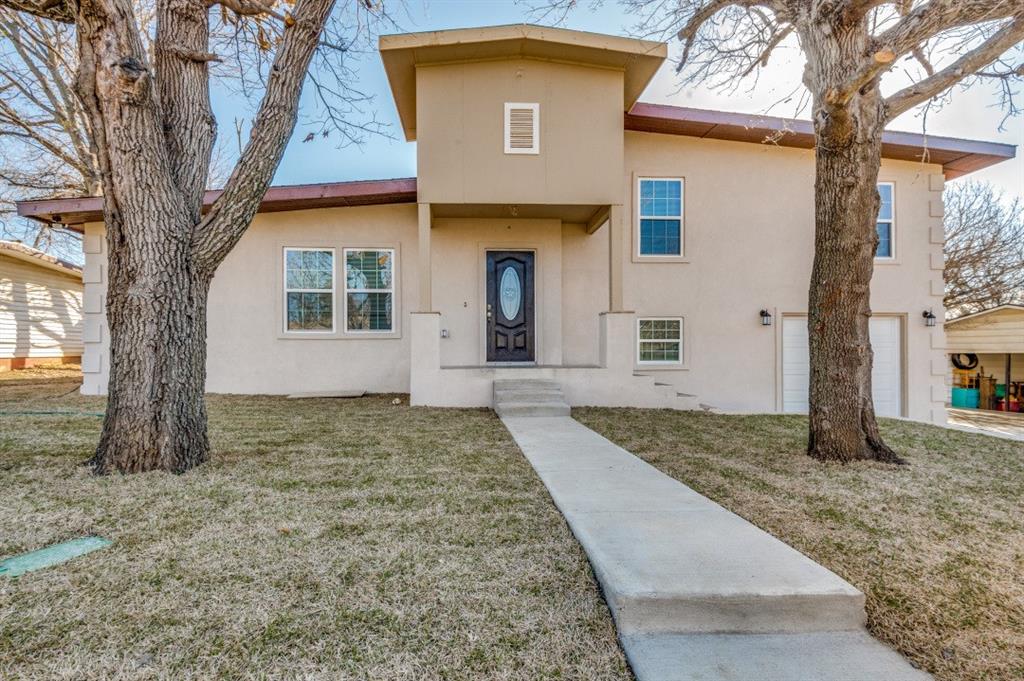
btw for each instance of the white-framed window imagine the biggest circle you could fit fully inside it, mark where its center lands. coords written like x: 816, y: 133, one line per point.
x: 659, y: 340
x: 309, y: 290
x: 369, y: 290
x: 660, y: 216
x: 522, y: 128
x: 886, y: 223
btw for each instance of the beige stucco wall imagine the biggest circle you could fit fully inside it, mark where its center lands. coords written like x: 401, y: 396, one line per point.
x: 248, y: 349
x: 460, y: 128
x: 40, y: 311
x: 748, y: 245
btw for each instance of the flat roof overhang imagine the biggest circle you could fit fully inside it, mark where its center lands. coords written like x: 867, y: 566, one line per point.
x: 77, y: 211
x: 402, y: 53
x: 956, y: 156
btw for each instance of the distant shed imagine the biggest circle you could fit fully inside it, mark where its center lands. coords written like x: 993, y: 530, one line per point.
x: 40, y: 308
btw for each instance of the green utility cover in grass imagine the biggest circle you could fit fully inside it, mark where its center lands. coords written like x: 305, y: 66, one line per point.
x: 51, y: 555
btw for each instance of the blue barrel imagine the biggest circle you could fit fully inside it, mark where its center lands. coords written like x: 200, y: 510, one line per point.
x: 966, y: 398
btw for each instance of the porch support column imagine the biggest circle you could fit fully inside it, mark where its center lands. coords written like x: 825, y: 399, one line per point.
x: 423, y: 265
x: 616, y: 254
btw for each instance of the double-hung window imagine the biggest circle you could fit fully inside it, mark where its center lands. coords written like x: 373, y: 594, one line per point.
x: 369, y: 290
x: 660, y: 216
x: 660, y: 340
x: 886, y: 223
x: 309, y: 289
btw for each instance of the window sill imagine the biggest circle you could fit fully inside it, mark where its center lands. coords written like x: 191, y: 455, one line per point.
x: 660, y: 367
x: 338, y: 336
x: 656, y: 259
x: 887, y: 261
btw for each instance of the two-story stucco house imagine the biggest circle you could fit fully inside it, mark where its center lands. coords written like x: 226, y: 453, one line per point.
x: 638, y: 254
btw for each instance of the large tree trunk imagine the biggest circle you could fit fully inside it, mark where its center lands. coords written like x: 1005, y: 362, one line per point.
x: 156, y: 312
x: 848, y: 154
x: 153, y: 133
x: 156, y: 296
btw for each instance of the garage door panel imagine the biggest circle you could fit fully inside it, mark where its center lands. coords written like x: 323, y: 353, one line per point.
x: 886, y: 374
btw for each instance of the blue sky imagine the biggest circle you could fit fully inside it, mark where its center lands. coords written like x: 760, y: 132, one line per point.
x: 969, y: 114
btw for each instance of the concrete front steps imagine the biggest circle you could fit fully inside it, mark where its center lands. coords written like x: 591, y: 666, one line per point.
x: 696, y: 591
x: 529, y: 397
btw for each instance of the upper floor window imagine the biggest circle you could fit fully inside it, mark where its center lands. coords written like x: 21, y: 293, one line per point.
x: 661, y: 216
x: 309, y: 289
x: 886, y: 224
x: 522, y: 128
x: 369, y: 290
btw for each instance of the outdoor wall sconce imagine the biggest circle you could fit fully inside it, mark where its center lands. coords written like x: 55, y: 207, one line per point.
x: 766, y: 318
x: 929, y: 318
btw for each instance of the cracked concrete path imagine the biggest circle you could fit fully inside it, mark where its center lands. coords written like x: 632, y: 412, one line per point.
x: 696, y: 591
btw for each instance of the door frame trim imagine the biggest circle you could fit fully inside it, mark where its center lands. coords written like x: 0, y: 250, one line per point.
x: 483, y: 248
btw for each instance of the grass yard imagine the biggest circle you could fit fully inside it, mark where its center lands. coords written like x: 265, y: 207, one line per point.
x: 937, y: 546
x: 327, y: 539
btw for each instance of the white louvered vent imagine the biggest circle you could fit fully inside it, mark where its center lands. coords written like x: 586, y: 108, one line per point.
x: 522, y: 128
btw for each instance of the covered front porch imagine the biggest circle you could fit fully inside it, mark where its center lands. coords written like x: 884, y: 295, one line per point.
x: 530, y: 292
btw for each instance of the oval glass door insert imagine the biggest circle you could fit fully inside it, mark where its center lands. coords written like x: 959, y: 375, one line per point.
x: 511, y: 293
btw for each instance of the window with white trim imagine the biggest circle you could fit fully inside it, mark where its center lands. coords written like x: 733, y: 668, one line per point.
x: 309, y: 289
x: 660, y: 340
x: 660, y: 216
x: 522, y: 128
x: 369, y: 290
x: 886, y: 223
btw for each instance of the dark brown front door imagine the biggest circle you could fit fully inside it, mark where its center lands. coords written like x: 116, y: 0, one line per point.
x: 510, y: 332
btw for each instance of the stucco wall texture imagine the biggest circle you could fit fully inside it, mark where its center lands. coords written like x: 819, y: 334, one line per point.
x: 748, y: 237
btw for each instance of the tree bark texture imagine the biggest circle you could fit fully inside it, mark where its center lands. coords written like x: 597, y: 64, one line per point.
x: 848, y: 130
x: 154, y: 133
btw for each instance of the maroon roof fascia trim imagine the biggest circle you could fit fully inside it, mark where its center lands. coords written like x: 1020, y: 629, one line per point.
x: 75, y: 211
x: 956, y: 156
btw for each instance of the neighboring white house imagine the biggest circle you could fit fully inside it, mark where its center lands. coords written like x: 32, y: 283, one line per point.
x: 639, y: 254
x: 40, y: 308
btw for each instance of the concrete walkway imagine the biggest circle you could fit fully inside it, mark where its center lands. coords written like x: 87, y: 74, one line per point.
x: 696, y: 591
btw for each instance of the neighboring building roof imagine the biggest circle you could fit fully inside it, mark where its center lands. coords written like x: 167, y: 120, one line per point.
x: 284, y: 197
x: 402, y: 53
x: 975, y: 315
x: 956, y: 156
x: 20, y: 251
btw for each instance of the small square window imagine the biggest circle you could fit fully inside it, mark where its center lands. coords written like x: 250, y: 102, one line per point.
x: 660, y: 340
x: 660, y: 215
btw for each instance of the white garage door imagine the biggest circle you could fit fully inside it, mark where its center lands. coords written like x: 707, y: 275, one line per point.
x: 885, y: 376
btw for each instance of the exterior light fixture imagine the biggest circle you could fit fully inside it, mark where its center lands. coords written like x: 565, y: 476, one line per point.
x: 766, y: 318
x: 929, y: 318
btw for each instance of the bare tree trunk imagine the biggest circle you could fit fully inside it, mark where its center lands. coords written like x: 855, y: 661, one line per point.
x: 156, y: 414
x: 848, y: 154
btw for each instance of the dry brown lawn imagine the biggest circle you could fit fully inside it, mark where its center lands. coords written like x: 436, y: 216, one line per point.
x: 937, y: 546
x: 327, y: 539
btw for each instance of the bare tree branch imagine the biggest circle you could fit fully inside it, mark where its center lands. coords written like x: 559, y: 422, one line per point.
x: 984, y: 248
x: 55, y: 10
x: 973, y: 61
x: 232, y: 212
